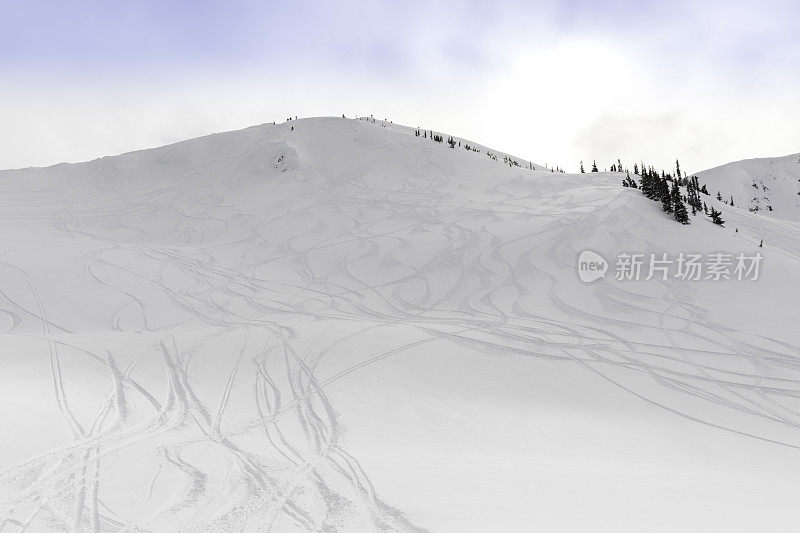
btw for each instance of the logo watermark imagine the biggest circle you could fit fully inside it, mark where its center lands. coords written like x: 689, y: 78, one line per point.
x: 591, y: 266
x: 716, y: 266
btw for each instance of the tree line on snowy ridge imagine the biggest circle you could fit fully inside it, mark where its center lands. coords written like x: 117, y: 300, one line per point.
x: 436, y: 137
x: 508, y: 160
x: 661, y: 187
x: 665, y: 188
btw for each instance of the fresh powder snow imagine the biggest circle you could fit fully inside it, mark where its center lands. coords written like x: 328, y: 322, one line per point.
x: 333, y: 324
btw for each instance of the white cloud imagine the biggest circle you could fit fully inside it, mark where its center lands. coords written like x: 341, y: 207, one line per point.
x: 692, y: 83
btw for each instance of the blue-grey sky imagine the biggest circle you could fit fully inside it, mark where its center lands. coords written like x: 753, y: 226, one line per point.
x: 554, y: 81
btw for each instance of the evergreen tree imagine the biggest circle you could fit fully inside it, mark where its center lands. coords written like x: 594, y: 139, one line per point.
x: 644, y: 183
x: 629, y: 182
x: 719, y: 196
x: 677, y: 205
x: 716, y: 217
x: 649, y: 183
x: 582, y: 171
x: 655, y: 183
x: 663, y: 192
x: 731, y: 200
x: 594, y: 166
x: 636, y: 168
x: 692, y: 195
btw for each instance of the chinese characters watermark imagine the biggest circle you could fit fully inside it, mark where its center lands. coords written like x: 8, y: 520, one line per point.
x: 716, y: 266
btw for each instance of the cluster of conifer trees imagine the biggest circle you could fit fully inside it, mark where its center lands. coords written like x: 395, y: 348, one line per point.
x: 430, y: 135
x: 666, y: 189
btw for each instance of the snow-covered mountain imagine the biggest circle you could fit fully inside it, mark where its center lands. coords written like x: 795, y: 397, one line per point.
x: 337, y: 325
x: 770, y: 186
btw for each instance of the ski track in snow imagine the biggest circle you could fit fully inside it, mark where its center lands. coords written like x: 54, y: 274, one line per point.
x: 198, y: 271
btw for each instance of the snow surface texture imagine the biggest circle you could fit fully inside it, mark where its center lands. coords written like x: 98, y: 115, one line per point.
x: 345, y: 327
x: 766, y: 186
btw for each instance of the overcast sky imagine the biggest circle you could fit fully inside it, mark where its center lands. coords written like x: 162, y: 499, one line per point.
x: 555, y: 81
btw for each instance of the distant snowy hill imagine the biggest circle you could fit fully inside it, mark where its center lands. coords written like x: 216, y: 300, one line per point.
x: 333, y: 324
x: 769, y: 186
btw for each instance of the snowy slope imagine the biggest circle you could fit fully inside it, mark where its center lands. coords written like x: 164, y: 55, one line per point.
x: 344, y: 327
x: 769, y: 186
